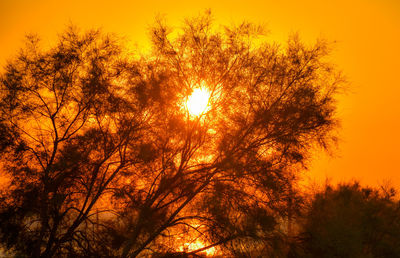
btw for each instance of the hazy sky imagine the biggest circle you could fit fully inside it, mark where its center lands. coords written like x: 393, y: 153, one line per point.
x: 367, y: 51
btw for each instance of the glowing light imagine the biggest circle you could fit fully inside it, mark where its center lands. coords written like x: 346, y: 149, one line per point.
x: 197, y: 102
x: 189, y: 247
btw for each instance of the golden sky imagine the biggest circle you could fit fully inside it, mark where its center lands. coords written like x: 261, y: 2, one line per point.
x: 367, y: 33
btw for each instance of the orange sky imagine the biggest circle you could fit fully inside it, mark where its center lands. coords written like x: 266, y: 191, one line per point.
x: 368, y: 51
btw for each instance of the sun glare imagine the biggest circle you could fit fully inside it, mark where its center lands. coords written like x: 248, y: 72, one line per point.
x: 197, y: 102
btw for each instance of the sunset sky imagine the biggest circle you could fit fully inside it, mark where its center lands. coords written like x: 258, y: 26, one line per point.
x: 367, y: 50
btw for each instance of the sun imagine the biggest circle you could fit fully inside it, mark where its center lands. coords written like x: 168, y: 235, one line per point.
x: 198, y: 102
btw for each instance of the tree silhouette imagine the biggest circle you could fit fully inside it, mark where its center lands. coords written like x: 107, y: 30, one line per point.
x: 105, y: 160
x: 351, y: 221
x: 73, y: 124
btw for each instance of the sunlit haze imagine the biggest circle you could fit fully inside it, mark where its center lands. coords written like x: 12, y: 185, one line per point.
x: 177, y: 128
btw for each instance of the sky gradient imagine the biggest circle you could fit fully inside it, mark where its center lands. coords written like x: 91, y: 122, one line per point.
x: 367, y: 50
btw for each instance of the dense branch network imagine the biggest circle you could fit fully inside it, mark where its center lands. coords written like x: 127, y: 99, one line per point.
x: 103, y: 159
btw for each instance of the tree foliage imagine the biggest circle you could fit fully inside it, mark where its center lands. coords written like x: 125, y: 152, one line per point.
x: 352, y: 221
x: 105, y: 160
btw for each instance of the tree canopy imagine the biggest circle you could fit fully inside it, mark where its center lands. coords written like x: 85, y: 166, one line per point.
x: 105, y: 159
x: 351, y: 221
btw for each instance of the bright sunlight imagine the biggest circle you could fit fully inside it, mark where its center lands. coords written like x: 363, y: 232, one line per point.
x: 189, y: 247
x: 197, y: 102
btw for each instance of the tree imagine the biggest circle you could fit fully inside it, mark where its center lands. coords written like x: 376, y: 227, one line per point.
x: 351, y: 221
x: 69, y: 123
x: 108, y: 160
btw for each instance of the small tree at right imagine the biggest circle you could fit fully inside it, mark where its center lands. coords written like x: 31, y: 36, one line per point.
x: 351, y: 221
